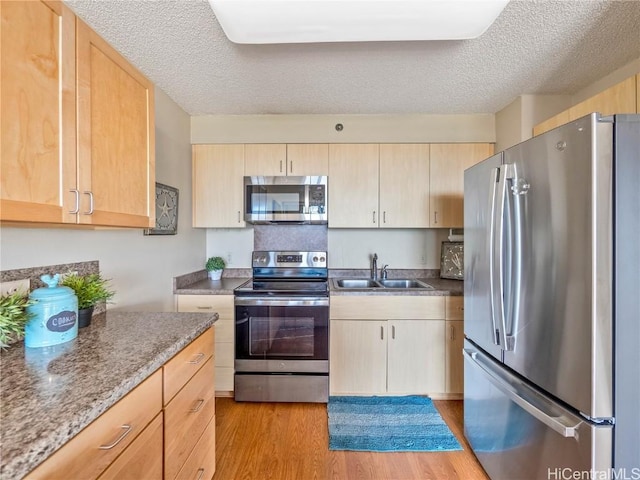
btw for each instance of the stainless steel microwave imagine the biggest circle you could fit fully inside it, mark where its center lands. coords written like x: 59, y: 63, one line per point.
x: 296, y: 200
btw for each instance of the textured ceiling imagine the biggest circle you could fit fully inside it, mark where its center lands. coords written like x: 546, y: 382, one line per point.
x: 534, y: 47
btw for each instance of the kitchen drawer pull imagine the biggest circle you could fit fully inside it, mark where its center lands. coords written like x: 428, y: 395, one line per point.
x: 198, y: 407
x: 204, y: 308
x: 200, y: 474
x: 127, y: 429
x: 197, y: 360
x: 393, y: 332
x: 381, y: 333
x: 77, y: 194
x: 453, y: 332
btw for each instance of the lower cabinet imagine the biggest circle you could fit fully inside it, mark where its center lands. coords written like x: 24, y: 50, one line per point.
x: 165, y: 424
x: 225, y: 346
x: 390, y: 356
x: 387, y: 345
x: 454, y: 315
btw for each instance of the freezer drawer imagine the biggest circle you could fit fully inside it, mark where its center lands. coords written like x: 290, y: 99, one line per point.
x: 518, y: 433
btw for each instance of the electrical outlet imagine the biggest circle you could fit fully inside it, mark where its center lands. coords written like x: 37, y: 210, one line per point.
x: 7, y: 288
x: 228, y: 258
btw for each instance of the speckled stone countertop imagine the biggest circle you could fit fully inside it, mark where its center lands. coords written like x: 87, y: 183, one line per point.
x: 48, y: 395
x: 197, y: 283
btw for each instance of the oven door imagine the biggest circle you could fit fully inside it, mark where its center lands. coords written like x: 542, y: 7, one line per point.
x: 282, y: 335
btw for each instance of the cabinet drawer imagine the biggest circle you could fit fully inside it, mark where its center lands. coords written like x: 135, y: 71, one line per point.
x: 454, y: 308
x: 142, y: 459
x: 186, y: 363
x: 202, y: 461
x: 221, y: 304
x: 89, y: 453
x: 387, y: 307
x: 186, y: 417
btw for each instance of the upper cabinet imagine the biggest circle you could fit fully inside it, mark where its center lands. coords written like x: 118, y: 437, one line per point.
x: 446, y: 187
x: 116, y: 136
x: 286, y: 159
x: 623, y: 97
x: 217, y: 186
x: 95, y: 168
x: 404, y: 185
x: 38, y: 157
x: 353, y: 185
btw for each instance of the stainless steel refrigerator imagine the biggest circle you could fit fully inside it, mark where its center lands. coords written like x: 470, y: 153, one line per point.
x: 552, y: 304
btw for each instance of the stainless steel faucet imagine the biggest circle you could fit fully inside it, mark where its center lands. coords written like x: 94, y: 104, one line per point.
x: 374, y: 267
x: 383, y: 272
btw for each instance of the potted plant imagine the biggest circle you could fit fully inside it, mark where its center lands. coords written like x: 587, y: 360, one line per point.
x: 214, y: 266
x: 90, y: 290
x: 13, y: 317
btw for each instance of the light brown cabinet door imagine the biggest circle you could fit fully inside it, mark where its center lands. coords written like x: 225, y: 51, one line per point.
x: 265, y: 159
x: 358, y: 357
x: 404, y: 185
x: 308, y: 159
x: 416, y: 357
x: 116, y: 136
x: 447, y: 164
x: 353, y: 185
x: 38, y: 156
x: 551, y: 123
x: 217, y: 186
x: 621, y: 98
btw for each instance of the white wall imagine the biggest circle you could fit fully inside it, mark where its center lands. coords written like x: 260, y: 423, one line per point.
x: 141, y: 267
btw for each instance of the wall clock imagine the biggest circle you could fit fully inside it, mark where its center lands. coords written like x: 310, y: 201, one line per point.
x: 166, y: 211
x: 452, y: 260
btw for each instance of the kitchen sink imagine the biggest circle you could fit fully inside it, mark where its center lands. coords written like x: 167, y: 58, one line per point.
x: 357, y: 283
x: 403, y: 283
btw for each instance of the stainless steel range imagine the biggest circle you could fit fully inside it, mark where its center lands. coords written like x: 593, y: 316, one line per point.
x: 282, y: 329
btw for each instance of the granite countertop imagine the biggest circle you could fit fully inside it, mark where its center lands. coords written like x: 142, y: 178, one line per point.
x: 224, y: 286
x: 50, y: 394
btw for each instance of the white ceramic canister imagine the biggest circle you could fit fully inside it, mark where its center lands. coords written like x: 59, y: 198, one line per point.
x: 55, y: 314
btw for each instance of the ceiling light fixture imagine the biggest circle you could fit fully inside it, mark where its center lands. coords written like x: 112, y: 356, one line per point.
x: 309, y: 21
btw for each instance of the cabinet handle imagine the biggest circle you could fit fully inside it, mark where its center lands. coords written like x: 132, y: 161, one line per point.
x: 384, y: 216
x: 127, y: 429
x: 198, y: 407
x: 291, y: 166
x: 453, y: 332
x: 90, y: 212
x: 238, y: 216
x: 204, y: 308
x: 435, y: 217
x: 381, y: 333
x: 393, y: 332
x: 200, y: 474
x: 374, y: 216
x: 280, y: 166
x: 77, y: 209
x: 197, y: 360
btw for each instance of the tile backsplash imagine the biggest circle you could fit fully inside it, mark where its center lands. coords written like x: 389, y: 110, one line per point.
x: 34, y: 273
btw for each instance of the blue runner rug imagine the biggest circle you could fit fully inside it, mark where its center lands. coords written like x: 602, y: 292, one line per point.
x: 388, y: 424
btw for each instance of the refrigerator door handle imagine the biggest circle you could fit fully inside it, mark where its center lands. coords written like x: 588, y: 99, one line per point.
x: 496, y: 254
x: 560, y: 420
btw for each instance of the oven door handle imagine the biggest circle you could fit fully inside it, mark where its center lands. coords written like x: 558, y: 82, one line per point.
x: 282, y: 301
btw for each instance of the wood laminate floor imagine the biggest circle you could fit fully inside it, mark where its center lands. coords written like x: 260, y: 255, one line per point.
x: 289, y: 441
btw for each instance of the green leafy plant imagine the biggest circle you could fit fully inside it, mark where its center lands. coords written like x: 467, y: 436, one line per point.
x: 90, y: 289
x: 13, y: 317
x: 215, y: 263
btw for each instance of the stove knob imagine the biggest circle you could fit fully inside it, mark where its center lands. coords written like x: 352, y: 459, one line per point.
x: 315, y: 259
x: 322, y: 259
x: 262, y: 259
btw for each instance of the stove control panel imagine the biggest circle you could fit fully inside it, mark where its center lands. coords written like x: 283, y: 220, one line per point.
x: 289, y: 259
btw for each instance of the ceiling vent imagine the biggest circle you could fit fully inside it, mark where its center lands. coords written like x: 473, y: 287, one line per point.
x: 310, y: 21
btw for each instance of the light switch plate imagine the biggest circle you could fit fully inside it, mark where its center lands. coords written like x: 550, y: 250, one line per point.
x: 7, y: 288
